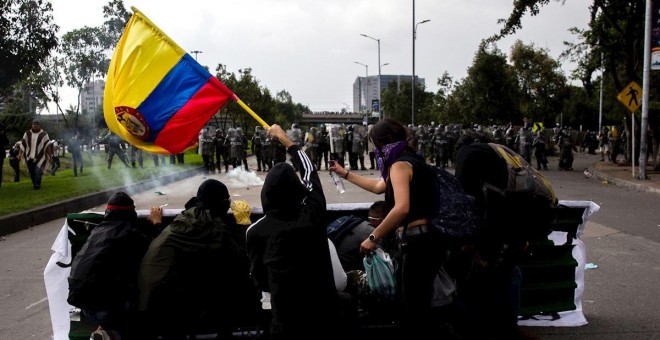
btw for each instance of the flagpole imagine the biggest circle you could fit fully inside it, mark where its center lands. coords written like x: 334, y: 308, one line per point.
x: 252, y: 113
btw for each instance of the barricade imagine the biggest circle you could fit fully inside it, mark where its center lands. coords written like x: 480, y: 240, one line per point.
x: 552, y: 286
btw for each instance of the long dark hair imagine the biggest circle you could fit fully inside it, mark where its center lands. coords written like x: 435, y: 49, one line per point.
x: 388, y: 131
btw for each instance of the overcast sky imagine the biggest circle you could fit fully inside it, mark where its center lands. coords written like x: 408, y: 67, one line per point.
x: 308, y: 47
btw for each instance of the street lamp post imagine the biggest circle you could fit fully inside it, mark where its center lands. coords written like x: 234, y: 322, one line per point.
x: 196, y: 53
x: 413, y: 62
x: 379, y: 66
x: 366, y: 73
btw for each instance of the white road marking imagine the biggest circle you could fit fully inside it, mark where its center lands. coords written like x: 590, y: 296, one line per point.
x: 36, y: 303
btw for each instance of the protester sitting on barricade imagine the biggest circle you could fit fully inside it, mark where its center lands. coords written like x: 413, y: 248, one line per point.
x: 348, y: 232
x: 194, y: 278
x: 289, y: 253
x: 103, y: 279
x: 489, y: 279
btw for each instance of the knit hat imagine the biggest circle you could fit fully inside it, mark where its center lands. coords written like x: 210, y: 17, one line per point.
x: 120, y: 201
x: 213, y: 195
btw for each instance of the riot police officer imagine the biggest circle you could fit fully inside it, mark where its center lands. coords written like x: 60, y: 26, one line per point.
x: 312, y: 146
x: 324, y: 147
x: 220, y: 150
x: 257, y: 146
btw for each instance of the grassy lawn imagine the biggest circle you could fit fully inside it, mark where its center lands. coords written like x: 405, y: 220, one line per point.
x: 16, y: 197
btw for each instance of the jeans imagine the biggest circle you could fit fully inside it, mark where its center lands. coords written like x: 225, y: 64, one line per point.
x: 36, y: 173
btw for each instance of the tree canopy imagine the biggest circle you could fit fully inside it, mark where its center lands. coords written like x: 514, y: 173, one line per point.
x: 27, y: 37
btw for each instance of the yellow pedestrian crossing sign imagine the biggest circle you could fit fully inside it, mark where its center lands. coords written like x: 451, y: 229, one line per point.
x: 538, y: 126
x: 631, y: 96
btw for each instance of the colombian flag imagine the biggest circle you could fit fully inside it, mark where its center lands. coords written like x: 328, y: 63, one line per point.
x: 157, y: 97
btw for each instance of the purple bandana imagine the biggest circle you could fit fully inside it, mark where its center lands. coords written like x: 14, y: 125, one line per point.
x: 386, y: 156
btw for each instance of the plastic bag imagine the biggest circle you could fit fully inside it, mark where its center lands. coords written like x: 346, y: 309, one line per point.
x: 381, y: 274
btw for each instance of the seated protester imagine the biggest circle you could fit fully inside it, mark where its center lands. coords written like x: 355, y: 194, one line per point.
x: 489, y: 276
x: 347, y: 241
x: 194, y: 278
x: 288, y: 250
x: 103, y: 279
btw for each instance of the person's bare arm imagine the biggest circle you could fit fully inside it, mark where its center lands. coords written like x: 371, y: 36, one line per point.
x: 400, y: 175
x: 276, y: 131
x: 376, y: 186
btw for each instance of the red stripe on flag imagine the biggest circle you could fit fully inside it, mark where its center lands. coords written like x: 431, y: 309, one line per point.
x: 182, y: 129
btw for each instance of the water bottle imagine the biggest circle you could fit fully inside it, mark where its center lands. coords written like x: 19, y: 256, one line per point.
x: 338, y: 182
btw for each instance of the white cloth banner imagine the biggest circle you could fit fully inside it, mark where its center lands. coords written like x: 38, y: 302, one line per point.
x: 575, y: 317
x: 57, y: 285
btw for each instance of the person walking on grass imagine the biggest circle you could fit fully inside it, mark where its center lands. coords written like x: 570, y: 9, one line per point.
x: 76, y: 155
x: 14, y: 160
x: 33, y: 144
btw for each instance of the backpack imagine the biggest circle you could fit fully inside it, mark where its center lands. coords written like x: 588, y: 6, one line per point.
x: 346, y: 233
x: 524, y: 209
x: 523, y: 178
x: 338, y: 228
x: 455, y: 218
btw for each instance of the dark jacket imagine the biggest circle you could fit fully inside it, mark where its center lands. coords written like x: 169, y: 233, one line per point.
x: 104, y: 272
x: 195, y: 274
x: 288, y: 250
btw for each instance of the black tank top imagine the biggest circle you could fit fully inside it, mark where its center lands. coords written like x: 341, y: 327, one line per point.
x: 422, y: 198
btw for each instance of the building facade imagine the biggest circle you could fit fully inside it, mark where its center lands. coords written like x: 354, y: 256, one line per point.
x: 365, y: 89
x: 91, y: 96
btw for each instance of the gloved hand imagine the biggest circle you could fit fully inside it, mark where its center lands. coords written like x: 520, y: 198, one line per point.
x: 241, y: 210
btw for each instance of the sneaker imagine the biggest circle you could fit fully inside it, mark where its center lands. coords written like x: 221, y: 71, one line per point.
x: 100, y: 334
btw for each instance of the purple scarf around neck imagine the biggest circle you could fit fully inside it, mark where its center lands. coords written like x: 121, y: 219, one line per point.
x: 386, y: 156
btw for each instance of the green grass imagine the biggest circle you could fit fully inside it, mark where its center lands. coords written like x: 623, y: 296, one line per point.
x: 17, y: 197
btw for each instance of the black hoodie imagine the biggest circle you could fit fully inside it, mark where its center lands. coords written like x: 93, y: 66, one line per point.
x: 288, y: 250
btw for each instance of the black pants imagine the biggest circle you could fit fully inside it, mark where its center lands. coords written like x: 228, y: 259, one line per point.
x: 56, y: 164
x: 77, y: 159
x: 420, y: 258
x: 17, y: 171
x: 36, y: 173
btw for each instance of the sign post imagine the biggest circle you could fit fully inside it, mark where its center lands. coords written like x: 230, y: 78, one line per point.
x: 631, y: 98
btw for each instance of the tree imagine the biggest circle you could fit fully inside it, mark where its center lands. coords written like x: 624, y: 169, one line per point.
x: 615, y: 36
x: 85, y: 59
x: 397, y: 102
x: 27, y: 36
x: 489, y: 94
x: 116, y: 19
x: 440, y: 99
x: 247, y: 88
x: 541, y: 83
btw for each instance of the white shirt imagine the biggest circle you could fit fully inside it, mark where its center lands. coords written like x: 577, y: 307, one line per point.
x: 337, y: 270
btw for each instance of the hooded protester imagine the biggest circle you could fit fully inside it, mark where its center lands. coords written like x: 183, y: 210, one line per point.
x: 288, y: 250
x: 103, y: 279
x: 195, y: 275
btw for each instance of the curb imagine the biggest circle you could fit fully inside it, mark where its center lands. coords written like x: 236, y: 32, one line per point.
x: 26, y: 219
x: 621, y: 182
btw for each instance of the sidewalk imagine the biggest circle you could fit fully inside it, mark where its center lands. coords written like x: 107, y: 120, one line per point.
x: 622, y: 175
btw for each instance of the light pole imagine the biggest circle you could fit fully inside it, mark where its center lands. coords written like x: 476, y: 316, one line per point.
x: 413, y: 62
x: 366, y: 73
x: 378, y: 41
x: 196, y: 52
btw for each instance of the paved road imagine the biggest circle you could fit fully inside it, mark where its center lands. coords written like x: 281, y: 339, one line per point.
x: 621, y: 295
